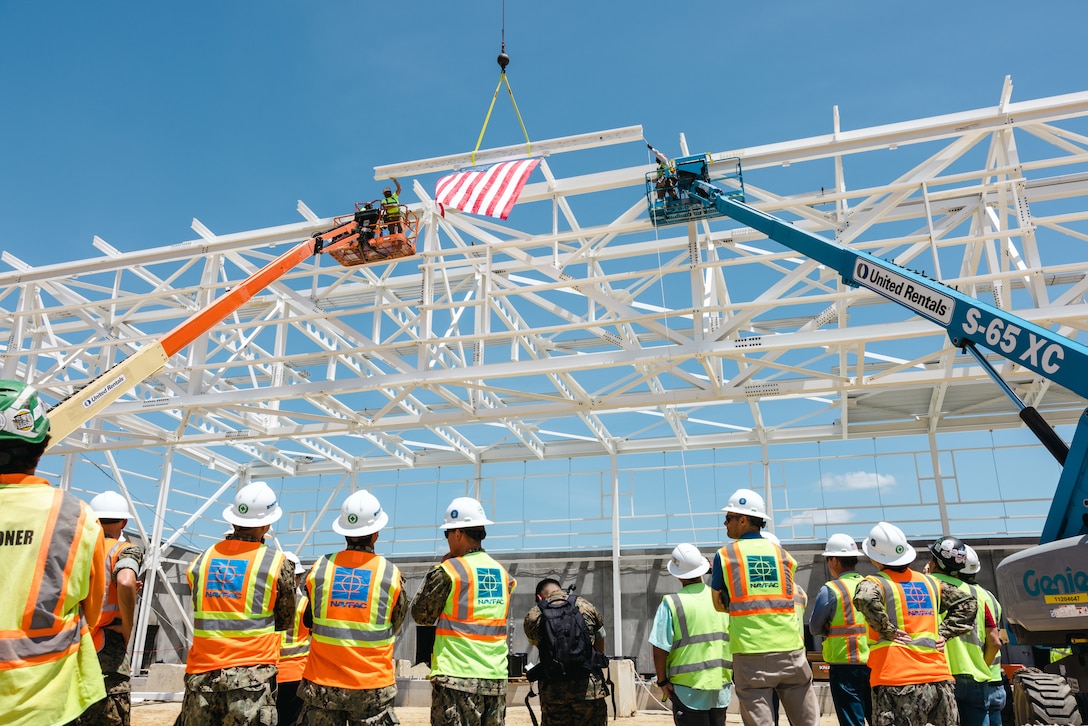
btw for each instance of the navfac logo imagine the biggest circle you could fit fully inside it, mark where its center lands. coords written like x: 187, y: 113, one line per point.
x: 762, y: 571
x: 490, y: 585
x: 226, y: 578
x: 350, y: 586
x: 918, y: 599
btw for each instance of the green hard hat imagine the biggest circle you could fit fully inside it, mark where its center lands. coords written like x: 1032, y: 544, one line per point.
x: 22, y: 415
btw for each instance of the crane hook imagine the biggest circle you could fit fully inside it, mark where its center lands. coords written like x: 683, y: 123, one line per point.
x: 504, y: 60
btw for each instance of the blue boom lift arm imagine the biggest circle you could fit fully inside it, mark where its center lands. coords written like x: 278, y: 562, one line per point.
x: 970, y: 323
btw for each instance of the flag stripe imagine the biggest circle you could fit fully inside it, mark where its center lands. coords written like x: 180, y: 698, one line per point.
x: 492, y: 191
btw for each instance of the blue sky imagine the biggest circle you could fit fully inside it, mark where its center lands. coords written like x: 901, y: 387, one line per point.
x: 127, y: 120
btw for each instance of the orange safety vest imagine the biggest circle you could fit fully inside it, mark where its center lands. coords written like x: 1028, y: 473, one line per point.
x: 234, y: 592
x: 110, y: 608
x: 294, y: 647
x: 351, y: 643
x: 912, y: 601
x: 53, y: 553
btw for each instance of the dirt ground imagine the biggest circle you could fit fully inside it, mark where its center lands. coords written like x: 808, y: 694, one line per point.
x: 163, y: 714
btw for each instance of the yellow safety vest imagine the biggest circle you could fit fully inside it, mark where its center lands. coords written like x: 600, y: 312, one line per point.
x: 700, y: 656
x: 49, y: 670
x: 966, y: 654
x: 470, y: 634
x: 762, y: 613
x: 847, y: 640
x: 391, y: 207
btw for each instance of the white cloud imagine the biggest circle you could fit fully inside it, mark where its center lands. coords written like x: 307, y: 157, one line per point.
x: 818, y: 517
x: 856, y: 480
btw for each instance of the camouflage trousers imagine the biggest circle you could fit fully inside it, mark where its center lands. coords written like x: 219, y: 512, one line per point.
x: 331, y: 706
x: 115, y: 708
x: 916, y: 705
x: 244, y: 696
x: 573, y: 712
x: 451, y: 707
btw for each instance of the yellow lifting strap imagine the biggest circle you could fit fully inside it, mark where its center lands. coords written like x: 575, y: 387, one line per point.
x: 502, y: 79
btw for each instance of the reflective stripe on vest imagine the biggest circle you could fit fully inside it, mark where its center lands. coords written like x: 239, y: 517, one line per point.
x: 352, y: 595
x: 391, y: 207
x: 762, y: 611
x: 470, y: 634
x: 847, y: 640
x: 46, y: 633
x: 294, y: 646
x: 898, y: 664
x: 700, y: 656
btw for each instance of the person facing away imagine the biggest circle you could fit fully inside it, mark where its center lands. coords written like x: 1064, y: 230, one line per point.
x: 690, y: 639
x: 357, y: 607
x: 910, y: 679
x: 113, y: 631
x: 294, y: 652
x: 845, y: 645
x: 243, y: 593
x: 53, y: 581
x: 467, y: 598
x: 975, y: 658
x: 391, y: 209
x: 753, y: 581
x: 571, y: 699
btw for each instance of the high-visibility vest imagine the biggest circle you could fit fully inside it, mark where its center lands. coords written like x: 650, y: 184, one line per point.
x: 762, y: 613
x: 912, y: 601
x: 700, y: 656
x: 294, y: 646
x: 847, y: 640
x: 966, y: 654
x: 110, y: 608
x: 53, y: 552
x: 352, y: 594
x: 391, y: 207
x: 470, y: 634
x: 234, y: 593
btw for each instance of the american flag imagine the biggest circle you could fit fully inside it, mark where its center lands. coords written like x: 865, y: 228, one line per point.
x: 490, y: 190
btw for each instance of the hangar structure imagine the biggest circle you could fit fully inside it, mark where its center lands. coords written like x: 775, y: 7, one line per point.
x: 597, y: 382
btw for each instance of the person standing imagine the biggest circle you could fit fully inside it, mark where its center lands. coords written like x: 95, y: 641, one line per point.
x: 53, y: 581
x: 845, y: 646
x: 294, y: 652
x: 113, y: 630
x: 911, y: 682
x: 467, y: 596
x: 243, y: 592
x: 690, y: 640
x: 753, y: 581
x: 390, y: 203
x: 974, y: 659
x: 357, y: 606
x: 576, y: 697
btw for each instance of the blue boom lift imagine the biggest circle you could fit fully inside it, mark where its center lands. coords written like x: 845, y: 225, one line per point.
x: 1045, y: 588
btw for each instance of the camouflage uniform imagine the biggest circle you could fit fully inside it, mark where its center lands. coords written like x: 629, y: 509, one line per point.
x: 577, y: 701
x: 916, y: 704
x: 114, y: 661
x: 244, y: 694
x: 332, y: 706
x: 457, y: 701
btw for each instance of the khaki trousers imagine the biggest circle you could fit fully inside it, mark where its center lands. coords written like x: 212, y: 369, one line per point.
x: 757, y: 675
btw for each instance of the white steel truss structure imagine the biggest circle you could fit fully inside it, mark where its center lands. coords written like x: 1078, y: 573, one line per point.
x: 576, y: 329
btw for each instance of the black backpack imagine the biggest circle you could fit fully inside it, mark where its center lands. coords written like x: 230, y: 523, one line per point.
x: 566, y: 650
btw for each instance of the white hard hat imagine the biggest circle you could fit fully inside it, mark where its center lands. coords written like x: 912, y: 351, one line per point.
x: 841, y: 545
x: 974, y: 564
x: 746, y: 501
x: 687, y: 562
x: 771, y: 537
x: 110, y: 505
x: 299, y: 569
x: 888, y: 545
x: 255, y: 505
x: 360, y: 515
x: 465, y: 512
